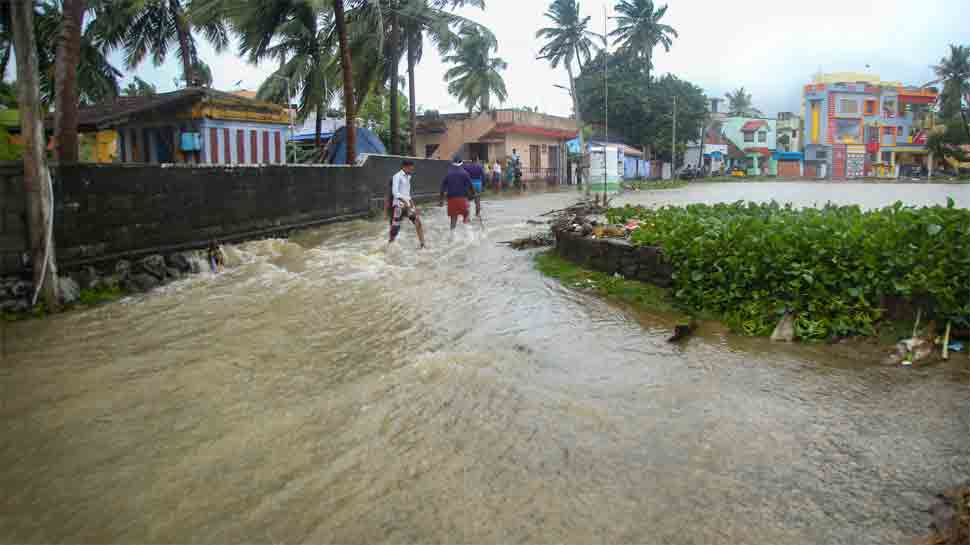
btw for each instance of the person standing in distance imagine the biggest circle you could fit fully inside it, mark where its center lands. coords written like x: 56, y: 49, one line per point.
x: 401, y: 203
x: 477, y: 174
x: 457, y: 185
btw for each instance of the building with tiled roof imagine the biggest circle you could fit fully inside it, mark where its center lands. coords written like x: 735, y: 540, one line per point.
x: 194, y: 125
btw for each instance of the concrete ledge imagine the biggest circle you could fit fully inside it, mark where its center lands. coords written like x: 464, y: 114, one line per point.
x: 616, y: 256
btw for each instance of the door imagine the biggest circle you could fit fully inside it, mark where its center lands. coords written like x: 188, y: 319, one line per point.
x: 788, y: 169
x: 535, y: 162
x: 554, y: 163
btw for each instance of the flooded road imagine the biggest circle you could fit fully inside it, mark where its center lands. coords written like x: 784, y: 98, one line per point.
x: 325, y: 389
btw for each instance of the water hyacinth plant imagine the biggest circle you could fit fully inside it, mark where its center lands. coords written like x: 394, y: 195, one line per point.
x: 832, y: 267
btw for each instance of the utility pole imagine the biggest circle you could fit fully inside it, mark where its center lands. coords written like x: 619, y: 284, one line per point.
x: 673, y: 142
x: 606, y: 95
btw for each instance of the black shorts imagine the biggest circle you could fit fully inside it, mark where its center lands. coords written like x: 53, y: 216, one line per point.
x: 402, y: 211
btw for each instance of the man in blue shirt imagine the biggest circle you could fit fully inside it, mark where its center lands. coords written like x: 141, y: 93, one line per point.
x: 457, y: 185
x: 477, y: 174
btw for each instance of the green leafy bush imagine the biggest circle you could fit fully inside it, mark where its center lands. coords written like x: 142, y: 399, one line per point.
x: 829, y: 266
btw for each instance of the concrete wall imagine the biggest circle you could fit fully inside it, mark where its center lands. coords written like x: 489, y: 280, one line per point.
x: 106, y: 212
x: 13, y: 216
x: 616, y: 256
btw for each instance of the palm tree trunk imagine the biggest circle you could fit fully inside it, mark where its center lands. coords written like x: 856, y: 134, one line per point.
x: 65, y: 76
x: 579, y: 123
x: 346, y: 67
x: 395, y: 77
x: 36, y: 176
x: 412, y: 61
x: 185, y: 44
x: 319, y: 124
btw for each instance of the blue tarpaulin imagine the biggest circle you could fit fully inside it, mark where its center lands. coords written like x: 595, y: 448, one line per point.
x: 367, y: 142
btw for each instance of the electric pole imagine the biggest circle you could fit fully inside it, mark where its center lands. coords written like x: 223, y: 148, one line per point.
x: 673, y: 143
x: 606, y: 95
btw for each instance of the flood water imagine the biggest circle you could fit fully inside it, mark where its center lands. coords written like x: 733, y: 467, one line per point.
x: 326, y: 389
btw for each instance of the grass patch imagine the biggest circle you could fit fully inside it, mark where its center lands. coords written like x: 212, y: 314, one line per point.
x: 87, y: 298
x: 638, y: 294
x: 100, y: 295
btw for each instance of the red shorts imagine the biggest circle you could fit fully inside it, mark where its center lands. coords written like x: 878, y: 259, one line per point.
x: 458, y: 206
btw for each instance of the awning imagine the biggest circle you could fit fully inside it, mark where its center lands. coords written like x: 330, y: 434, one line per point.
x: 788, y: 156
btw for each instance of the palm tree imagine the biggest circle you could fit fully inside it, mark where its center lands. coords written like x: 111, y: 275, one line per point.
x: 139, y: 88
x: 304, y: 38
x: 96, y: 79
x: 37, y: 183
x: 152, y: 27
x: 639, y: 30
x: 954, y: 74
x: 431, y: 19
x: 347, y: 74
x: 569, y: 38
x: 739, y: 104
x: 476, y: 76
x: 65, y: 76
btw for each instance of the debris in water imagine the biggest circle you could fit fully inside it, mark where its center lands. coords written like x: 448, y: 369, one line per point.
x: 535, y: 241
x: 682, y: 331
x: 951, y: 519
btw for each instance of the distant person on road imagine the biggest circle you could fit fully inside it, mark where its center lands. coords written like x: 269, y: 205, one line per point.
x: 497, y: 175
x: 457, y: 185
x: 477, y: 174
x: 517, y: 168
x: 401, y: 204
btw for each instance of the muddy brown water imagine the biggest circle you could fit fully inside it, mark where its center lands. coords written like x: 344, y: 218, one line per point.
x: 325, y: 389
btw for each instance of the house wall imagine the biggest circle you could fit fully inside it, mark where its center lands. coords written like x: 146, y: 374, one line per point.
x: 105, y: 212
x: 828, y: 125
x: 731, y: 128
x: 132, y: 139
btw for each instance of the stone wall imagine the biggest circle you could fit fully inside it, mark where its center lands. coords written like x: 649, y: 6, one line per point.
x: 109, y: 212
x: 615, y: 256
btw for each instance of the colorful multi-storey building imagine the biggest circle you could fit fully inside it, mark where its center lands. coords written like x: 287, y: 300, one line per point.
x: 857, y: 125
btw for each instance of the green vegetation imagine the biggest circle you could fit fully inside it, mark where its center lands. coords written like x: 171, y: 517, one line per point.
x: 96, y: 296
x: 830, y: 267
x: 638, y: 294
x: 87, y: 298
x: 640, y: 185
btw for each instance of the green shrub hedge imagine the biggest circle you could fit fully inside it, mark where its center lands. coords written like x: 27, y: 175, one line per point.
x: 829, y: 266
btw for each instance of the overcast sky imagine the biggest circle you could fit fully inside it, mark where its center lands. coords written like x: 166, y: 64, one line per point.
x: 770, y: 47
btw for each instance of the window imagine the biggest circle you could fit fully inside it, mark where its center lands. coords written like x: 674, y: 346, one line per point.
x: 848, y: 106
x: 821, y: 154
x: 762, y: 136
x: 887, y: 157
x: 870, y: 107
x: 749, y: 137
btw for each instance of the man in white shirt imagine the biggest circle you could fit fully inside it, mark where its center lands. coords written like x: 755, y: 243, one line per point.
x: 401, y: 203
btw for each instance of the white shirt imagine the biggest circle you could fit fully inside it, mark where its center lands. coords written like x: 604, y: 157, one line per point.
x: 496, y: 168
x: 401, y: 188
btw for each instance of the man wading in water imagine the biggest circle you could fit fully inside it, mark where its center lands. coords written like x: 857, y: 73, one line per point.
x: 458, y: 186
x: 477, y: 174
x: 402, y: 205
